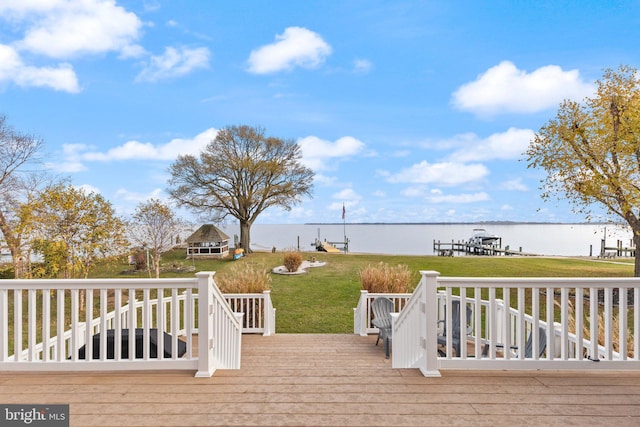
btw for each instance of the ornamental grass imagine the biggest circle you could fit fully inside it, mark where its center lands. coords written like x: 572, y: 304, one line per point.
x: 244, y: 278
x: 586, y: 330
x: 292, y: 261
x: 383, y: 278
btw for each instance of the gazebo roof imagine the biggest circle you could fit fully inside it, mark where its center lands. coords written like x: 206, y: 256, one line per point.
x: 207, y: 233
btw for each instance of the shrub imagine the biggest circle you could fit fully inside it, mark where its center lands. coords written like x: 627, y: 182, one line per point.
x: 382, y: 278
x: 244, y: 278
x: 292, y: 261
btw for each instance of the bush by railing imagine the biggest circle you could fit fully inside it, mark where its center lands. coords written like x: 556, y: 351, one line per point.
x: 244, y: 278
x: 383, y: 278
x: 292, y: 261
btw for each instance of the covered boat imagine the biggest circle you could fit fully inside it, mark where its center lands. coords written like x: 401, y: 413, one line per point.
x: 481, y: 237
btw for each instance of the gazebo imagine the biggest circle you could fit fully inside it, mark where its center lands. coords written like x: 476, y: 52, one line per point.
x: 208, y: 241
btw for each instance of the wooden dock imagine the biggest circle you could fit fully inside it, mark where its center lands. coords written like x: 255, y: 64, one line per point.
x: 330, y: 380
x: 451, y: 248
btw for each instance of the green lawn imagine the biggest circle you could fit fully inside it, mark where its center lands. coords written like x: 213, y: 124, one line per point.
x: 322, y: 300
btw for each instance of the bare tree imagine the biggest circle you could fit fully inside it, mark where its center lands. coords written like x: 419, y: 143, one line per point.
x: 155, y: 227
x: 17, y: 150
x: 241, y: 173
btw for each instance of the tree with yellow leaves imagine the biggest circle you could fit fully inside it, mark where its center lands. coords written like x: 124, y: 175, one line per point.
x: 591, y: 151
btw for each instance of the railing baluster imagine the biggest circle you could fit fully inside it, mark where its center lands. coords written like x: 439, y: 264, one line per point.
x: 133, y: 323
x: 622, y: 326
x: 564, y: 322
x: 75, y: 338
x: 521, y: 325
x: 579, y: 332
x: 160, y: 315
x: 551, y: 335
x: 535, y: 325
x: 593, y: 323
x: 32, y: 319
x: 46, y: 325
x: 506, y: 322
x: 117, y: 324
x: 608, y: 323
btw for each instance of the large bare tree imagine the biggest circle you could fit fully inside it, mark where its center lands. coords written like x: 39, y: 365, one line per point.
x: 591, y: 151
x: 17, y: 151
x: 241, y: 173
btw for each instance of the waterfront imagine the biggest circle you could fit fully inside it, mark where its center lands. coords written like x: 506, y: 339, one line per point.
x: 417, y: 239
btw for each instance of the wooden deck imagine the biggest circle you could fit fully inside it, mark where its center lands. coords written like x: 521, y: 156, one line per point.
x: 330, y: 380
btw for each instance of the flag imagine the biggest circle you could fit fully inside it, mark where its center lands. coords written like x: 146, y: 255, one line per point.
x: 343, y: 211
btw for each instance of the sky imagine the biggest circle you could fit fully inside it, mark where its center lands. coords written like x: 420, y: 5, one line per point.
x: 407, y: 111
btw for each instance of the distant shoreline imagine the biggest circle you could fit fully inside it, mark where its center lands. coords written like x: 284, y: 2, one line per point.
x: 465, y: 223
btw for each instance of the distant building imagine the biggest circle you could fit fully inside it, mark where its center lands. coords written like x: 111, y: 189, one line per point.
x: 208, y: 241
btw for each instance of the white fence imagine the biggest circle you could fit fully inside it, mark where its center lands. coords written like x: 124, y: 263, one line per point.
x: 64, y: 336
x: 587, y: 323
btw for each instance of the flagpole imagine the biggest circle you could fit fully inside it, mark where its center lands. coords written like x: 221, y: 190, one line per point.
x: 344, y: 227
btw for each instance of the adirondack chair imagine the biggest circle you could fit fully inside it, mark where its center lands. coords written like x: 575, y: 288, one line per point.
x: 528, y: 345
x: 382, y: 308
x: 457, y: 337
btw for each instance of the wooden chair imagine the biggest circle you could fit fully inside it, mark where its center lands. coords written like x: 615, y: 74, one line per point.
x: 382, y: 308
x: 457, y: 337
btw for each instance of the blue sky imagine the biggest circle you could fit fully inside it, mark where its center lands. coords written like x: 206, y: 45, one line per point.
x: 407, y: 111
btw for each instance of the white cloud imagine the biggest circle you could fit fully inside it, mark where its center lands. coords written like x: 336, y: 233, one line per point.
x: 316, y: 152
x: 438, y: 197
x: 174, y: 62
x: 414, y: 191
x: 514, y: 185
x: 347, y: 194
x: 362, y: 65
x: 506, y: 145
x: 145, y: 150
x: 324, y: 180
x: 88, y: 189
x: 297, y: 46
x: 65, y: 29
x: 131, y: 196
x: 506, y: 89
x: 445, y: 173
x: 13, y: 70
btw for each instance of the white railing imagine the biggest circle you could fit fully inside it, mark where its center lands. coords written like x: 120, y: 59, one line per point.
x: 362, y: 314
x: 56, y: 332
x: 571, y: 311
x: 259, y: 314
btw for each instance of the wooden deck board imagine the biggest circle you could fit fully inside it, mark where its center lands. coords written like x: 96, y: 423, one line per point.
x: 329, y: 380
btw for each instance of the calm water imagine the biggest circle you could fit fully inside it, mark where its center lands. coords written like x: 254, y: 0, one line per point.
x: 417, y: 239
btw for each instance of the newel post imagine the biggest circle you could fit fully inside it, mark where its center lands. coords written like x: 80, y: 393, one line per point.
x: 430, y: 336
x: 363, y: 313
x: 206, y: 366
x: 269, y: 318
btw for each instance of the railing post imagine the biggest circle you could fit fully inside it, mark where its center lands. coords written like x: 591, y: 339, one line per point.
x: 364, y: 311
x: 206, y: 366
x: 269, y: 320
x: 430, y: 326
